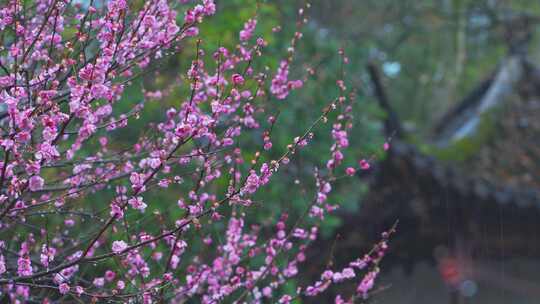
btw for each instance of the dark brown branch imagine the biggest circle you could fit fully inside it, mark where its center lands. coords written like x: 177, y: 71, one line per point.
x: 392, y: 125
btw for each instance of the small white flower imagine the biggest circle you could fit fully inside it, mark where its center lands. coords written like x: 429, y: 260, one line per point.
x: 119, y: 246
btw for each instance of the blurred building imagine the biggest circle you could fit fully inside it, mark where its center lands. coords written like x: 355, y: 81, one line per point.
x: 468, y: 226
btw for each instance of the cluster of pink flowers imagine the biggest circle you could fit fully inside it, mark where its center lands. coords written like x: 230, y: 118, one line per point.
x: 281, y: 85
x: 71, y: 197
x: 249, y: 28
x: 370, y: 261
